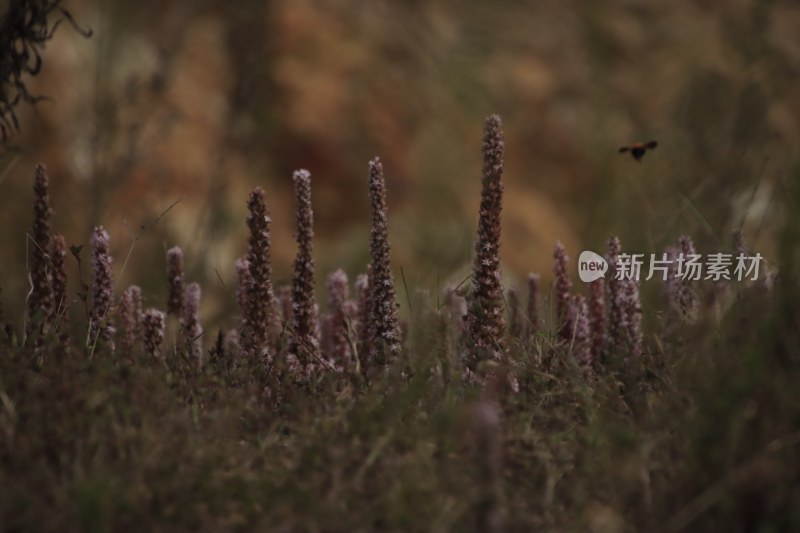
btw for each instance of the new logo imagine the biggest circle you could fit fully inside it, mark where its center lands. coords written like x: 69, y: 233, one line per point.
x: 591, y: 266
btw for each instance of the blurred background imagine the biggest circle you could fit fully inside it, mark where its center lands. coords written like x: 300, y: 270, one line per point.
x: 200, y: 101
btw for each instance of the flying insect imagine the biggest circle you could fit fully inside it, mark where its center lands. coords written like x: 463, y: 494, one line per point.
x: 638, y: 150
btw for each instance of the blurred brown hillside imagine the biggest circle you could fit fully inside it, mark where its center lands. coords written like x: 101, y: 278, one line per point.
x: 201, y: 101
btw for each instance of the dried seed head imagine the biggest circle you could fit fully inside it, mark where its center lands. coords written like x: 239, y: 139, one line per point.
x: 563, y: 294
x: 58, y: 253
x: 338, y: 296
x: 625, y: 309
x: 362, y: 324
x: 243, y: 282
x: 581, y: 343
x: 597, y: 318
x: 191, y: 330
x: 101, y: 329
x: 175, y: 297
x: 304, y: 343
x: 679, y: 289
x: 40, y: 303
x: 383, y: 324
x: 533, y: 305
x: 153, y: 331
x: 485, y: 324
x: 260, y: 316
x: 130, y: 312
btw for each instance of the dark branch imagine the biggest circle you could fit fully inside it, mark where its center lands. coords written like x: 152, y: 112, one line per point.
x: 24, y: 31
